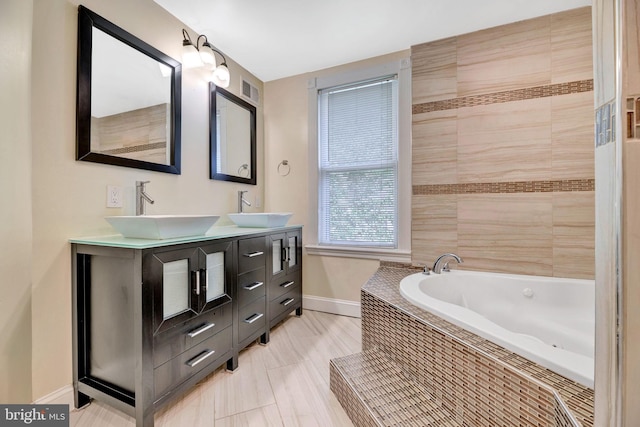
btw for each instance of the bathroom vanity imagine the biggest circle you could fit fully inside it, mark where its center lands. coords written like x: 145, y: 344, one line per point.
x: 151, y: 318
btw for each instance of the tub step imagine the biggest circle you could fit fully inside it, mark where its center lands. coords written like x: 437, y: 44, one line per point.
x: 374, y: 392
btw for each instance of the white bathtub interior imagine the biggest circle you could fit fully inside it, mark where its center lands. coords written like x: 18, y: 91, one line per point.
x: 550, y: 321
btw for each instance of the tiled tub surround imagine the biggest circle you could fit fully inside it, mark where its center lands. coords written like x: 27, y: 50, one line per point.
x: 418, y: 369
x: 502, y: 147
x: 547, y: 320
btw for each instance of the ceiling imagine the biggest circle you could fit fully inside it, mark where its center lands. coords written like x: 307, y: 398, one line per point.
x: 280, y: 38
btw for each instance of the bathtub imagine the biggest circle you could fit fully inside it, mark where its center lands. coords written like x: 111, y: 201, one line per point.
x: 547, y: 320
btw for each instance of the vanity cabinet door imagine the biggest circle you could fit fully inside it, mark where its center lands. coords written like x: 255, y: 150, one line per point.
x: 284, y: 269
x: 216, y: 270
x: 285, y: 253
x: 174, y: 279
x: 186, y: 282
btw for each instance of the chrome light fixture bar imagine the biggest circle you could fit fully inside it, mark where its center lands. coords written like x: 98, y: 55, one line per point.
x: 203, y: 55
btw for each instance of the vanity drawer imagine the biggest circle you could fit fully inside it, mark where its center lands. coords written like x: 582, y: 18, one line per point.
x: 252, y: 318
x: 285, y: 303
x: 286, y: 284
x: 252, y: 254
x: 251, y: 286
x: 198, y: 357
x: 174, y: 341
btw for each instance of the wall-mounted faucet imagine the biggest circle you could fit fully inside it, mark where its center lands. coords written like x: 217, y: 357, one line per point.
x: 142, y: 197
x: 242, y: 201
x: 441, y: 265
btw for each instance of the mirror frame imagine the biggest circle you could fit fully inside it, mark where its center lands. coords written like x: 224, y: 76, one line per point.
x: 213, y: 142
x: 87, y: 20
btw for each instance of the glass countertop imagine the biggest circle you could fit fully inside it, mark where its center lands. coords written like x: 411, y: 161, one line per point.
x: 119, y: 241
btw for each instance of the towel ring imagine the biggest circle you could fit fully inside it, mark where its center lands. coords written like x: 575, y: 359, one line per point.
x: 284, y: 168
x: 244, y: 167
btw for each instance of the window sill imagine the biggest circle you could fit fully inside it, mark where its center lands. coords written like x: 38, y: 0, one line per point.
x: 393, y: 255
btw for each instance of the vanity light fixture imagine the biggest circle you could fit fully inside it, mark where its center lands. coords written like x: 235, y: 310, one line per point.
x: 203, y: 55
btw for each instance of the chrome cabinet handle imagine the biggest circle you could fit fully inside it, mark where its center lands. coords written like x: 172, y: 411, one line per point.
x: 287, y: 301
x: 200, y: 358
x: 253, y: 286
x: 201, y: 329
x: 286, y: 285
x: 253, y: 318
x: 254, y: 254
x: 197, y: 273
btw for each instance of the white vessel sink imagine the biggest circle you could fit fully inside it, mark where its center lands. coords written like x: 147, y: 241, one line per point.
x: 260, y: 220
x: 162, y: 226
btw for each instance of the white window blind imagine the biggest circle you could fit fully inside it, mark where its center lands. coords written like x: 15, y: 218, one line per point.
x: 358, y: 164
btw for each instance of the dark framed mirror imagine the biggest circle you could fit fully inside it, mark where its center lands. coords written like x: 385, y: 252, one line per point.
x: 232, y: 134
x: 128, y: 99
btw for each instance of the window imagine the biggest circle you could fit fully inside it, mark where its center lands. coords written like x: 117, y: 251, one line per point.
x: 358, y: 164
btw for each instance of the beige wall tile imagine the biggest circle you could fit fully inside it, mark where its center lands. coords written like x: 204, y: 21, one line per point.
x: 506, y: 232
x: 572, y: 136
x: 573, y: 234
x: 632, y: 53
x: 540, y: 139
x: 505, y: 142
x: 508, y: 57
x: 434, y: 71
x: 604, y: 44
x: 433, y: 227
x: 434, y: 151
x: 571, y: 46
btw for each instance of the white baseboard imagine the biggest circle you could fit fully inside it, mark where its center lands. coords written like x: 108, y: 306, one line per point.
x: 331, y: 305
x: 62, y: 396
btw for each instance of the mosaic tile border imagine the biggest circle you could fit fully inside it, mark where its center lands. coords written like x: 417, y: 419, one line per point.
x: 136, y: 148
x: 545, y: 91
x: 565, y: 185
x: 606, y: 124
x: 384, y: 322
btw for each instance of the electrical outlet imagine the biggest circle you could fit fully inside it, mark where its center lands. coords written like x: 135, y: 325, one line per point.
x: 258, y: 201
x: 114, y: 196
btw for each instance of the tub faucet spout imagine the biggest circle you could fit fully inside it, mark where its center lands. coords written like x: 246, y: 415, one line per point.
x: 442, y: 265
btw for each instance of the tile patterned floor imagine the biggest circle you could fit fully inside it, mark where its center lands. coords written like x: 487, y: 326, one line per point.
x: 285, y: 383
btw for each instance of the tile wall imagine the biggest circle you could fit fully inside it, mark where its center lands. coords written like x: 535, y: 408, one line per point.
x: 503, y: 162
x: 139, y: 134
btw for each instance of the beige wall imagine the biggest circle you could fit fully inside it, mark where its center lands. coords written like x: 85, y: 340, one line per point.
x: 631, y: 221
x: 287, y: 138
x: 503, y: 148
x: 69, y: 196
x: 15, y: 199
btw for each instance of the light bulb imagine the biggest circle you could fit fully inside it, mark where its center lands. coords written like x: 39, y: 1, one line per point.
x: 207, y: 58
x: 190, y: 56
x: 221, y: 76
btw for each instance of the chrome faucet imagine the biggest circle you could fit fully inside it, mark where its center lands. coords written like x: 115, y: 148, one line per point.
x: 142, y: 197
x: 242, y: 201
x: 440, y: 265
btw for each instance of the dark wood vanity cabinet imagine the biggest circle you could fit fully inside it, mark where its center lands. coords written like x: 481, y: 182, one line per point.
x: 285, y: 275
x: 252, y: 291
x: 151, y: 320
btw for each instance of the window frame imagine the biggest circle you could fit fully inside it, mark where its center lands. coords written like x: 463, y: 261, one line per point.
x: 402, y: 253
